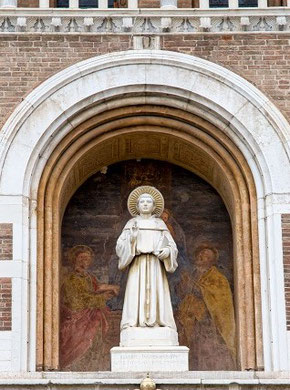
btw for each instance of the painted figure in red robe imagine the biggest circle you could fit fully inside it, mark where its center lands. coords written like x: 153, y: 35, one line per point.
x: 84, y: 312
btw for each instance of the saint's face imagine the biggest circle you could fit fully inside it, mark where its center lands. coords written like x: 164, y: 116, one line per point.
x: 146, y: 204
x: 83, y: 261
x: 205, y: 259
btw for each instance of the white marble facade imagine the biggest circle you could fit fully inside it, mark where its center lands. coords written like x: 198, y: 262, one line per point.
x: 39, y: 123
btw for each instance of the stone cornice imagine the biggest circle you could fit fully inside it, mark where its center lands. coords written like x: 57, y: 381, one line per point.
x: 102, y: 379
x: 144, y: 21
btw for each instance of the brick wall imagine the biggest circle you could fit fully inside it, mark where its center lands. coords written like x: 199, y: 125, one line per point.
x: 286, y: 261
x: 264, y: 60
x: 6, y: 240
x: 28, y: 3
x: 5, y: 304
x: 27, y: 60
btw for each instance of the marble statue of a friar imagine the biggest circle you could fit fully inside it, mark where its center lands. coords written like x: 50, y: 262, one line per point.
x: 148, y: 339
x: 148, y: 249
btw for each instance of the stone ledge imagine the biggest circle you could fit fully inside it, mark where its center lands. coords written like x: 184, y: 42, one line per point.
x: 144, y: 21
x: 92, y: 12
x: 210, y: 378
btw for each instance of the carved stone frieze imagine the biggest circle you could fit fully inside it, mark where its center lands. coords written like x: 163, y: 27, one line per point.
x: 184, y: 154
x: 159, y: 21
x: 138, y: 146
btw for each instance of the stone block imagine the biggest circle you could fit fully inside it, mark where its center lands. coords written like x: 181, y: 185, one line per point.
x: 149, y: 359
x: 134, y: 336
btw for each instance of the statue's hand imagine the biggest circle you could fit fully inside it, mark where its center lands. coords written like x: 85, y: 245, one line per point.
x: 134, y: 232
x: 164, y: 253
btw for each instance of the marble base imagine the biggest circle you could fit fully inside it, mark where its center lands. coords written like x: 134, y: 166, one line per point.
x: 149, y: 359
x: 136, y: 337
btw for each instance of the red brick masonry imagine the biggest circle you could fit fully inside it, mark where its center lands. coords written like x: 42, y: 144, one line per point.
x: 5, y: 304
x: 27, y: 60
x: 286, y: 261
x: 6, y: 241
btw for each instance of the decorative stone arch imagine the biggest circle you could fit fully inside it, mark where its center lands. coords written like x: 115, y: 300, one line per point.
x: 166, y: 106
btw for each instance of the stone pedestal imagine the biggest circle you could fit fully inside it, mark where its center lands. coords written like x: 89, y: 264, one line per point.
x: 149, y: 359
x: 149, y: 349
x: 136, y: 337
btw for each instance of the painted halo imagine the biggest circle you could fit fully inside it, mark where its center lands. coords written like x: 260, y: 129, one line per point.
x: 74, y: 251
x: 156, y: 195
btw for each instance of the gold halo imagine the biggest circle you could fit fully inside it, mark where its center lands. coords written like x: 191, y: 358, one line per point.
x: 135, y: 194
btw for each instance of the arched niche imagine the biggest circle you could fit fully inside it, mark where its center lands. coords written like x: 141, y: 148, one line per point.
x: 149, y: 131
x: 204, y: 110
x: 196, y: 218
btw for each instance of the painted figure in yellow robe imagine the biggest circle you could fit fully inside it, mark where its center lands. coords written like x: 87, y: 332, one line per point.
x: 206, y: 314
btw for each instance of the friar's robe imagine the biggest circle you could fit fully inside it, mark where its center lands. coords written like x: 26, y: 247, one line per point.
x: 147, y: 298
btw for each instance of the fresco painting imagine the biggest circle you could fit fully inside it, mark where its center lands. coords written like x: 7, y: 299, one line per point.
x: 92, y: 287
x: 84, y: 313
x: 206, y: 311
